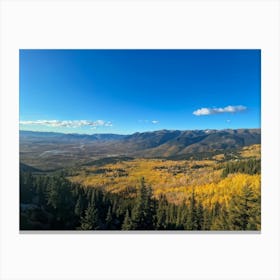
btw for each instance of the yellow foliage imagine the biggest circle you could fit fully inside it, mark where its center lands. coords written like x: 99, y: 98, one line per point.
x: 175, y: 179
x: 226, y: 188
x: 251, y: 151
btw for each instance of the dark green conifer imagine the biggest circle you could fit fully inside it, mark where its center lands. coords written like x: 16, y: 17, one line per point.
x: 90, y: 221
x: 127, y: 223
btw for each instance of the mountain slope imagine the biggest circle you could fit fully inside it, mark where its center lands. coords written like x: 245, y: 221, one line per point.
x: 41, y: 149
x: 205, y: 141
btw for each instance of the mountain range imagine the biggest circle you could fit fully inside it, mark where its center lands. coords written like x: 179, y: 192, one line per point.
x: 36, y: 146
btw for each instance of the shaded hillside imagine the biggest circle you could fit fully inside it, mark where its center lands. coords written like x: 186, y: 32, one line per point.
x: 198, y: 141
x: 26, y: 168
x: 46, y: 150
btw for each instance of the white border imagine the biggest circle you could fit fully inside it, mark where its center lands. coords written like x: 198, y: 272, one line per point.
x: 139, y: 24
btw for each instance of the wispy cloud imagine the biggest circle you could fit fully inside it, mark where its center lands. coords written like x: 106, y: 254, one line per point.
x: 143, y: 121
x: 149, y: 121
x: 212, y: 111
x: 67, y: 123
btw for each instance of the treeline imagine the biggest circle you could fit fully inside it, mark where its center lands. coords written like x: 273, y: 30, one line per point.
x: 250, y: 166
x: 195, y: 156
x: 54, y: 203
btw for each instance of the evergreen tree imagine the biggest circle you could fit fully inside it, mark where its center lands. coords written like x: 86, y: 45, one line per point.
x: 179, y: 218
x: 182, y: 214
x: 191, y: 223
x: 242, y: 209
x: 185, y: 212
x: 127, y: 223
x: 254, y: 222
x: 26, y: 188
x: 200, y: 217
x: 90, y: 221
x: 79, y: 207
x: 221, y: 220
x: 171, y: 215
x: 207, y: 219
x: 142, y: 215
x: 161, y: 215
x: 109, y: 219
x: 61, y: 203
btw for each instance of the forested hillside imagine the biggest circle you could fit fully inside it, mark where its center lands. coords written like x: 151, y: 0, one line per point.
x: 210, y: 189
x: 141, y: 195
x: 55, y: 203
x: 214, y: 180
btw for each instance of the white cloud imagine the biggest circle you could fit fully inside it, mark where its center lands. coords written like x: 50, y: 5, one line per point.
x: 212, y: 111
x: 148, y: 121
x: 143, y: 121
x: 68, y: 123
x: 202, y: 111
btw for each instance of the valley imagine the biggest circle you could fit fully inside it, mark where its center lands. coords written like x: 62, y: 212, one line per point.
x: 49, y: 151
x: 184, y: 168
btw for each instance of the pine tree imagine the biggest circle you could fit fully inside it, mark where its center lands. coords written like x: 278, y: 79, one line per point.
x: 221, y: 220
x: 109, y: 219
x: 242, y: 209
x: 254, y: 222
x: 127, y: 223
x: 171, y: 215
x: 207, y: 219
x: 184, y: 215
x: 61, y: 203
x: 26, y: 188
x: 179, y: 218
x: 149, y: 208
x: 79, y: 207
x: 161, y: 215
x: 143, y: 211
x: 200, y: 217
x: 90, y: 221
x: 193, y: 225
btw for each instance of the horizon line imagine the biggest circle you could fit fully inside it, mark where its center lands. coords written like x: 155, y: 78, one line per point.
x: 148, y: 131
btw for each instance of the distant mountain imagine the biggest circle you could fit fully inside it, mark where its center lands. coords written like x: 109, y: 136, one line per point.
x: 49, y: 149
x: 146, y: 140
x: 71, y: 137
x: 171, y: 143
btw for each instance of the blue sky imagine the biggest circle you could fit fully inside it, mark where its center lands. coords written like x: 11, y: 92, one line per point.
x: 127, y: 91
